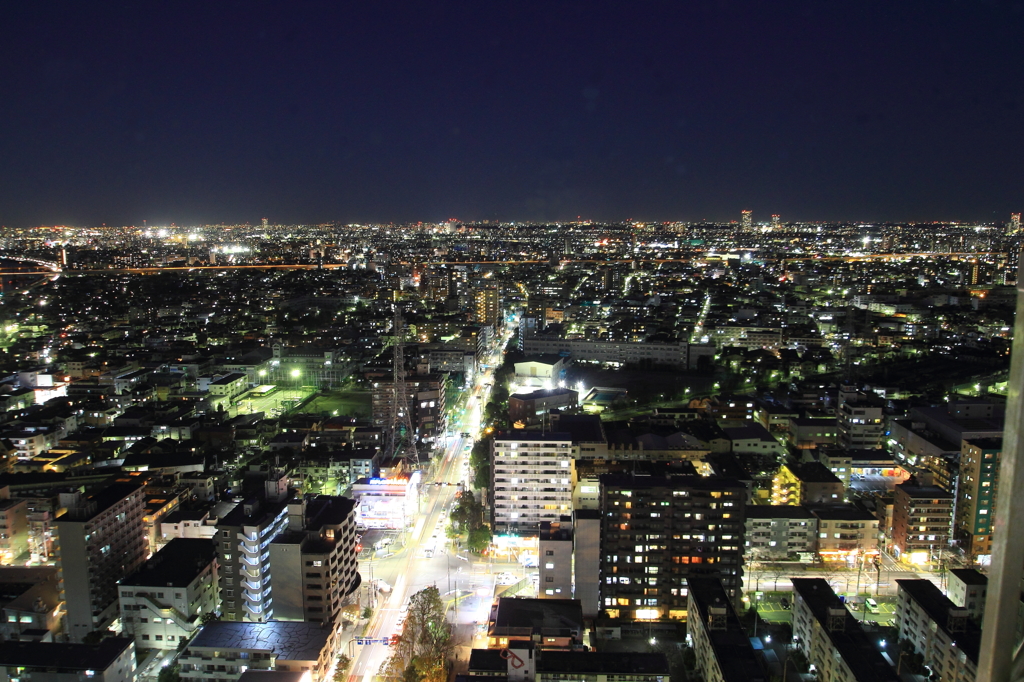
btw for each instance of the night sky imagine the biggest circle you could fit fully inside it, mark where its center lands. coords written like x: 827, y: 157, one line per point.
x: 303, y: 112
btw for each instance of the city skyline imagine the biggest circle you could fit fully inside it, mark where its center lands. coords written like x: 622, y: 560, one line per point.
x: 401, y: 113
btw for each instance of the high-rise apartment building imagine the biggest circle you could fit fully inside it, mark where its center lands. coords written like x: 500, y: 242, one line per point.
x: 976, y: 496
x: 776, y: 221
x: 922, y: 520
x: 100, y: 539
x: 1014, y: 226
x: 533, y: 477
x: 314, y: 560
x: 485, y: 307
x: 747, y: 219
x: 658, y: 531
x: 243, y: 546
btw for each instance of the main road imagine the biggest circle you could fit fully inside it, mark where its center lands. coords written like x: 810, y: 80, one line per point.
x: 466, y: 582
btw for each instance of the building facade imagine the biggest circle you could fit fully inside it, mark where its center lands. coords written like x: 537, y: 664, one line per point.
x: 314, y: 560
x: 100, y: 539
x: 533, y: 477
x: 720, y: 642
x: 922, y: 521
x: 942, y: 632
x: 976, y: 496
x: 657, y: 531
x: 162, y: 603
x: 832, y: 640
x: 779, y: 532
x: 243, y: 546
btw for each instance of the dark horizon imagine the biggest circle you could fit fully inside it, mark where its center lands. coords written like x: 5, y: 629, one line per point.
x: 401, y: 112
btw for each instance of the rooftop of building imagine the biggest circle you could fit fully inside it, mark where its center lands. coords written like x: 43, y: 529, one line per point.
x: 841, y: 512
x: 99, y: 502
x: 858, y: 650
x: 548, y: 359
x: 750, y: 432
x: 61, y: 656
x: 289, y: 640
x: 969, y: 576
x: 262, y: 512
x: 916, y: 491
x: 582, y: 428
x: 520, y: 436
x: 671, y: 482
x: 813, y: 472
x: 177, y: 564
x: 327, y: 510
x: 937, y: 606
x: 733, y: 651
x: 575, y: 662
x: 778, y: 511
x: 562, y: 616
x: 273, y: 676
x: 542, y: 393
x: 986, y: 443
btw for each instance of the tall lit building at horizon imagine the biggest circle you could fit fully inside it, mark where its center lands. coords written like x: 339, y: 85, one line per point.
x: 747, y: 220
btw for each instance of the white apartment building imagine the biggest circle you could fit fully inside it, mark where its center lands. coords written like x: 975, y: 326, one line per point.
x: 832, y: 639
x: 163, y: 602
x: 779, y: 532
x: 939, y: 630
x: 533, y: 478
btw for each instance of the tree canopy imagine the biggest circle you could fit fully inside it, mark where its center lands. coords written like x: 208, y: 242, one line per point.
x: 424, y: 646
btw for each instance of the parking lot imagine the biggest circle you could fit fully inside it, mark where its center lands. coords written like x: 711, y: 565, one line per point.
x: 772, y: 608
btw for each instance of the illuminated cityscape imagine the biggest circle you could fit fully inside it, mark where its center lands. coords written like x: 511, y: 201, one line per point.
x: 561, y: 342
x: 796, y: 400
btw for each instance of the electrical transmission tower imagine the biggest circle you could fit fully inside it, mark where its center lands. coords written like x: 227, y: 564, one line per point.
x: 401, y: 434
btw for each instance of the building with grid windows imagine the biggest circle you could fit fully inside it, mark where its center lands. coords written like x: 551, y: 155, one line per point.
x: 976, y: 496
x: 533, y: 476
x: 658, y: 531
x: 100, y: 539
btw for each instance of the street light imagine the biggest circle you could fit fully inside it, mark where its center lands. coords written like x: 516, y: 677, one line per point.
x: 295, y: 373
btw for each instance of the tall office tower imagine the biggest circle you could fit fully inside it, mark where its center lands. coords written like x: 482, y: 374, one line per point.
x: 485, y: 306
x: 1014, y: 227
x: 314, y: 561
x: 976, y: 496
x: 100, y: 539
x: 532, y: 475
x: 567, y: 246
x: 657, y: 531
x: 264, y: 223
x: 243, y: 537
x: 747, y: 222
x: 776, y: 221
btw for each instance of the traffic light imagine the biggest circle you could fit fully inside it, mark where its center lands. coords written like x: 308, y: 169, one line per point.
x: 394, y: 640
